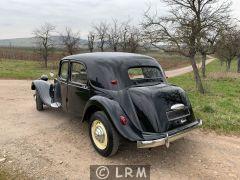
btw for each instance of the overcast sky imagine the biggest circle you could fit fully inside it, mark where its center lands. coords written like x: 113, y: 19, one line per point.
x: 18, y: 18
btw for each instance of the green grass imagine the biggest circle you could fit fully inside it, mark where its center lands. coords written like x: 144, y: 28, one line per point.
x: 219, y: 107
x: 19, y: 69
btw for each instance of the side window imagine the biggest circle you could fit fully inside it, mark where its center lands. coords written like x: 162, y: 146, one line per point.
x: 64, y: 71
x: 78, y: 73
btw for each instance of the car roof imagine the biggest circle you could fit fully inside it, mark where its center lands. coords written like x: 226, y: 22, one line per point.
x: 109, y: 57
x: 103, y: 67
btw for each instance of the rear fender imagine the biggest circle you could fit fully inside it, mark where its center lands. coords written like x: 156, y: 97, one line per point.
x: 113, y: 111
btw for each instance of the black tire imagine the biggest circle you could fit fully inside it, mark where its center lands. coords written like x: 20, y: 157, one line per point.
x: 113, y: 137
x: 39, y: 103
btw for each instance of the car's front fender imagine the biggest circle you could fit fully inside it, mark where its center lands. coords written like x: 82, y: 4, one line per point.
x: 42, y: 87
x: 113, y: 111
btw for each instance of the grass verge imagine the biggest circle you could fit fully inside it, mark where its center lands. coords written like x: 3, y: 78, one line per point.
x: 20, y: 69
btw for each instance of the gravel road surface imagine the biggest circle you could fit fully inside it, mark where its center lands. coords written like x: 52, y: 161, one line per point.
x: 54, y: 145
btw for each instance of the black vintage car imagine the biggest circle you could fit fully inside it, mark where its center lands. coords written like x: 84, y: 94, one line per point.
x: 120, y: 95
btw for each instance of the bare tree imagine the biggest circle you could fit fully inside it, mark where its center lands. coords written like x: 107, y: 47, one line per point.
x: 102, y: 34
x: 114, y: 35
x: 130, y: 37
x: 228, y: 46
x: 207, y: 46
x: 181, y: 30
x: 238, y: 56
x: 124, y: 36
x: 70, y: 40
x: 91, y: 40
x: 118, y: 35
x: 44, y: 41
x: 175, y: 35
x: 134, y: 39
x: 211, y: 21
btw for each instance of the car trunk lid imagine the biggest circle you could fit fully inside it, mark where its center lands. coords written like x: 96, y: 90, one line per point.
x: 153, y: 106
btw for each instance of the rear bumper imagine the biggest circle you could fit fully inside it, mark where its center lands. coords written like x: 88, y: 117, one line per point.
x: 170, y: 136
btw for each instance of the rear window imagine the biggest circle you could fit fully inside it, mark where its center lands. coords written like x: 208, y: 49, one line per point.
x: 144, y: 73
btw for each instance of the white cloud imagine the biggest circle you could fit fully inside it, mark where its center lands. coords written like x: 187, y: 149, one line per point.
x: 18, y: 18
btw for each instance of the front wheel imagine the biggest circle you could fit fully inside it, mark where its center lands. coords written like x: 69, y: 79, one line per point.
x: 103, y: 135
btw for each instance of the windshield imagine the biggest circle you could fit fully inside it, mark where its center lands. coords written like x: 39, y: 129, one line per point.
x: 139, y: 75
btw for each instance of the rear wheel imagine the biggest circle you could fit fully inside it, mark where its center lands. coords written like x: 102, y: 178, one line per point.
x: 39, y: 103
x: 103, y: 135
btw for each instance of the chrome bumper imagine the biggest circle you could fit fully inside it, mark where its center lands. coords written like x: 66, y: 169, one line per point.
x: 166, y: 140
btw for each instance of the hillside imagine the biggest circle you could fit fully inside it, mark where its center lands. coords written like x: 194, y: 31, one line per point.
x: 30, y: 42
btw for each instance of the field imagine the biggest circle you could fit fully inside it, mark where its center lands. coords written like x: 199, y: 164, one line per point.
x: 12, y: 68
x: 219, y: 107
x: 167, y: 60
x: 20, y: 69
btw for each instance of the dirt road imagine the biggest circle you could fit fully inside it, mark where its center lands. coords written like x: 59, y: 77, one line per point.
x: 54, y: 145
x: 184, y: 70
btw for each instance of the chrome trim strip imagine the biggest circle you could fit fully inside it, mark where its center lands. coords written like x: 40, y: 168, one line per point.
x: 166, y: 140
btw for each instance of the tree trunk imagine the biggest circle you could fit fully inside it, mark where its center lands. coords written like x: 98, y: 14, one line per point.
x: 45, y: 55
x: 102, y: 46
x: 238, y: 63
x: 204, y: 58
x: 197, y: 77
x: 45, y: 62
x: 228, y: 65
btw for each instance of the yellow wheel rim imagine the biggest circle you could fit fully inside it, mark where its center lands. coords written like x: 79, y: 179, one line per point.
x: 99, y: 134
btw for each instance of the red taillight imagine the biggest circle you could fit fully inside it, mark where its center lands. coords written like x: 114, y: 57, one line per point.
x: 123, y: 120
x: 114, y: 82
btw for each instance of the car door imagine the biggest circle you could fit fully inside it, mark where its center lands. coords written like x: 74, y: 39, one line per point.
x: 78, y: 90
x: 63, y: 80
